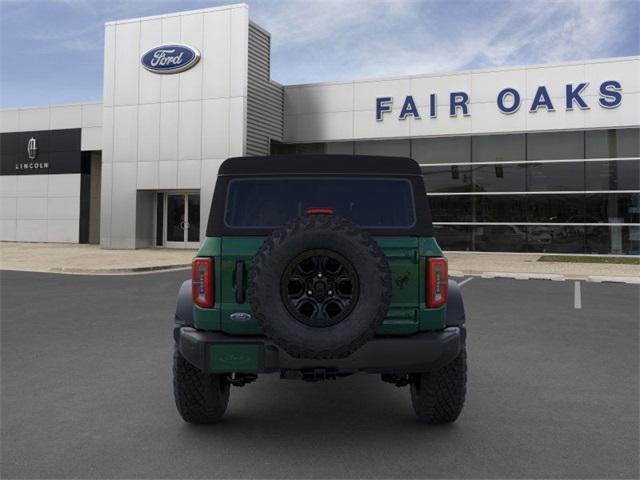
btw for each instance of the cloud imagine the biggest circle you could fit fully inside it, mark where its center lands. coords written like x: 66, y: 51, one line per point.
x: 296, y: 22
x: 321, y: 40
x: 53, y: 40
x: 327, y: 40
x: 557, y: 31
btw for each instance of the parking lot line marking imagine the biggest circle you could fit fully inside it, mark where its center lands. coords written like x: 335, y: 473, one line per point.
x: 577, y: 296
x: 468, y: 279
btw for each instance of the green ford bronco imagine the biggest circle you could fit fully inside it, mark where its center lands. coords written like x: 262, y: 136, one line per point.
x: 318, y: 267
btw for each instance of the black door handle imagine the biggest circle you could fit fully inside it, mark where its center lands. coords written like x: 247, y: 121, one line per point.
x: 240, y: 282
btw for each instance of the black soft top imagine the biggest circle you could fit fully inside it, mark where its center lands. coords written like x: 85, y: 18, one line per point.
x: 305, y: 165
x: 320, y: 164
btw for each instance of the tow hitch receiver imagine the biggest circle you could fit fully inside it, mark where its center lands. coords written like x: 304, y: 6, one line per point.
x: 310, y: 375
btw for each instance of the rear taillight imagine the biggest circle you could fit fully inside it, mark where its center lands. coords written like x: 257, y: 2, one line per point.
x: 202, y: 282
x: 437, y: 282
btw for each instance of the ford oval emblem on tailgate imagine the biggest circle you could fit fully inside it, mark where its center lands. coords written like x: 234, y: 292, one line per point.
x: 240, y: 316
x: 172, y: 58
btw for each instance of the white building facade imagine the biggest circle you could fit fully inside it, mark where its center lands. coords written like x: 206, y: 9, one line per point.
x: 539, y: 158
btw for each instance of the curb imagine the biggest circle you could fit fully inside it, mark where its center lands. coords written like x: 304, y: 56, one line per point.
x: 525, y: 276
x: 546, y: 276
x: 154, y: 268
x: 599, y: 279
x: 452, y: 273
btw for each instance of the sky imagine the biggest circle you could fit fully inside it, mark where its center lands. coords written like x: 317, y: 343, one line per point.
x: 51, y: 51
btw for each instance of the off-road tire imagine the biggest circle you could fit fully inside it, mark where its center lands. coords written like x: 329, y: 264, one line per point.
x: 301, y: 235
x: 200, y: 397
x: 438, y: 397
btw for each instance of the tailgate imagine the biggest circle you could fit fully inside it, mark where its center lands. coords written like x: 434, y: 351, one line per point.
x: 402, y: 255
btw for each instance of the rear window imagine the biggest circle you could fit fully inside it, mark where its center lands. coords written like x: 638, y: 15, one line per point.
x: 373, y: 202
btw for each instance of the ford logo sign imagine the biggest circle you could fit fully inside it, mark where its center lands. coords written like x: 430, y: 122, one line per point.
x: 240, y: 316
x: 173, y: 58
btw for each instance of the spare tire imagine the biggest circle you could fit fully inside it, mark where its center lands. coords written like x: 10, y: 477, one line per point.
x: 320, y: 286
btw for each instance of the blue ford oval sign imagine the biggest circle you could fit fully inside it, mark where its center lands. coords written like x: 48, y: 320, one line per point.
x: 240, y: 316
x: 173, y: 58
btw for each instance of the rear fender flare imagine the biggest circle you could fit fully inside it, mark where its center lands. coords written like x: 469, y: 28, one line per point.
x: 455, y: 305
x: 184, y: 305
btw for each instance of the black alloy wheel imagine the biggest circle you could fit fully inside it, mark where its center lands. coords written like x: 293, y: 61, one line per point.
x: 320, y: 288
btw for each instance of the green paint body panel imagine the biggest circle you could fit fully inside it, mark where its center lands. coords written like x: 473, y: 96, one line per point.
x: 406, y: 256
x: 236, y: 358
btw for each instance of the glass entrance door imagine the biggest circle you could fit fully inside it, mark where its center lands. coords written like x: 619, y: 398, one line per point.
x: 182, y: 220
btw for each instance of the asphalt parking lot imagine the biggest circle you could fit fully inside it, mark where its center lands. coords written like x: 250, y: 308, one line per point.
x: 86, y: 392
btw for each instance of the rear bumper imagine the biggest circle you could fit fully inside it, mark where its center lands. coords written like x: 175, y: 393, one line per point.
x: 219, y: 352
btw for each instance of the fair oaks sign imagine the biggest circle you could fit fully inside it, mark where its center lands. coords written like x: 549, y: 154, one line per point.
x: 508, y: 100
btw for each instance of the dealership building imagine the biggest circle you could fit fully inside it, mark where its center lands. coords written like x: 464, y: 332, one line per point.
x: 541, y: 158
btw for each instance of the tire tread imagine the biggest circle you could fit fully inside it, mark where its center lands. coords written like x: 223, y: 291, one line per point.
x: 438, y: 397
x: 199, y: 397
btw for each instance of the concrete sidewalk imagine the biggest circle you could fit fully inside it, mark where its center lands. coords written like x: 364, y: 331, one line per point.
x: 494, y: 265
x: 71, y: 258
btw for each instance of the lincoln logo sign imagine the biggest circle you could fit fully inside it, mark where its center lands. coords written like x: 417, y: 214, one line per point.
x: 508, y: 101
x: 172, y: 58
x: 32, y: 149
x: 32, y: 154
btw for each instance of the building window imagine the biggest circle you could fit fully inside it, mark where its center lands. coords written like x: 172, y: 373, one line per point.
x: 447, y: 178
x: 555, y: 145
x: 441, y: 150
x: 555, y: 177
x: 612, y: 175
x: 339, y: 148
x: 454, y: 237
x: 452, y: 208
x: 500, y: 208
x: 557, y: 200
x: 497, y: 177
x: 278, y: 148
x: 616, y: 240
x: 499, y: 148
x: 612, y: 143
x: 386, y: 148
x: 556, y: 239
x: 550, y: 208
x: 500, y: 238
x: 613, y: 208
x: 532, y: 182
